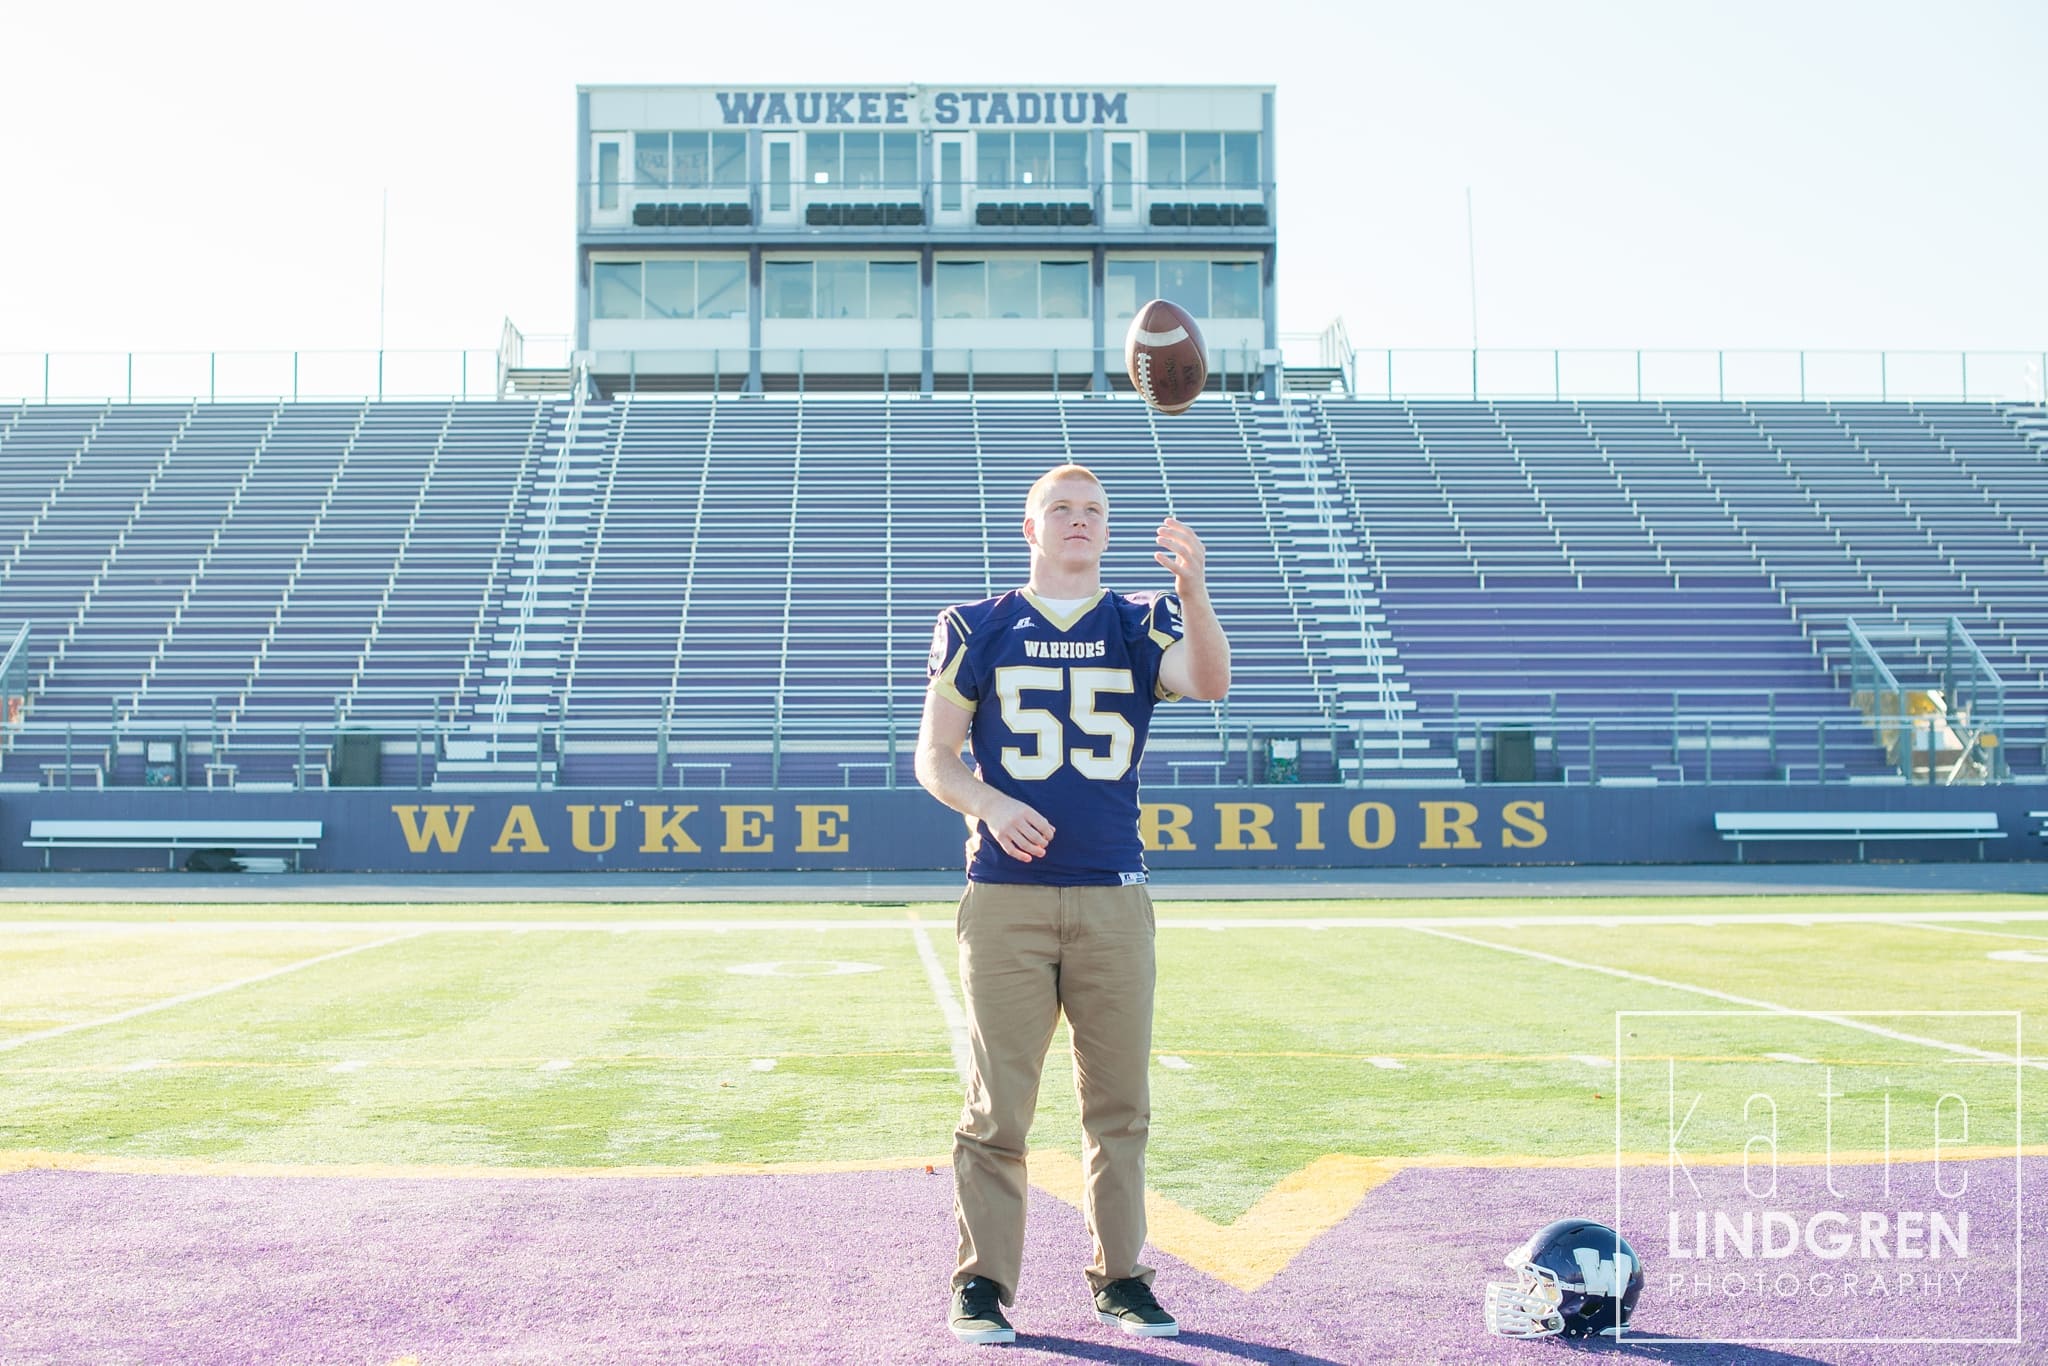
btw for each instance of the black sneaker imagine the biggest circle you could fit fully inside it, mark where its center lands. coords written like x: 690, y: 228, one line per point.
x: 978, y: 1313
x: 1128, y: 1304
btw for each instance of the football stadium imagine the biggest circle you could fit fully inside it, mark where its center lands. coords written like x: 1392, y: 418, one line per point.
x: 474, y: 889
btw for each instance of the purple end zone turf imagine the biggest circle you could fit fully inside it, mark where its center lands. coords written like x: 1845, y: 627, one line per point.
x: 853, y: 1268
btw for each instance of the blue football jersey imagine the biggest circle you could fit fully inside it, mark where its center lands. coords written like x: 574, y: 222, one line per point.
x: 1061, y: 709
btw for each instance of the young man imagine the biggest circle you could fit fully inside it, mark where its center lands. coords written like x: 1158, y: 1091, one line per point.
x: 1055, y: 685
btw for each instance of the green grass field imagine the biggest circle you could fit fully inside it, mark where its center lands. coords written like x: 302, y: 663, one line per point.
x: 598, y: 1037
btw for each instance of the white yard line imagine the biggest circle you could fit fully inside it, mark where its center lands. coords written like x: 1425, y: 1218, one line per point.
x: 191, y: 996
x: 1921, y: 919
x: 942, y: 992
x: 1919, y: 924
x: 1771, y: 1007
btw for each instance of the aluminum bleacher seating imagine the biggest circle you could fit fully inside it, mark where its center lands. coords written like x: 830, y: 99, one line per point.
x: 742, y: 589
x: 1582, y: 559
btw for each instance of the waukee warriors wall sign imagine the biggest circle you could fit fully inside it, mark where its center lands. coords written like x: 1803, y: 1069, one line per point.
x: 1263, y: 826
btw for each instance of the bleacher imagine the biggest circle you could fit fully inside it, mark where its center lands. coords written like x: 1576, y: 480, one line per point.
x: 765, y: 576
x: 742, y: 590
x: 1547, y: 560
x: 227, y: 574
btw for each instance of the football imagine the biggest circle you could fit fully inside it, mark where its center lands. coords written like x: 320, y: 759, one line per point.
x: 1163, y: 351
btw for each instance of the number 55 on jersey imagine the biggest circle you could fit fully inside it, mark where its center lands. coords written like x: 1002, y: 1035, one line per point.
x: 1071, y: 698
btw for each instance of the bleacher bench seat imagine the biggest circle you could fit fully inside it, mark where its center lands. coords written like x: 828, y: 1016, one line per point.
x: 1860, y: 826
x: 171, y: 835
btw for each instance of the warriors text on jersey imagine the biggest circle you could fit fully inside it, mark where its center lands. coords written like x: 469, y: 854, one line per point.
x: 1061, y: 709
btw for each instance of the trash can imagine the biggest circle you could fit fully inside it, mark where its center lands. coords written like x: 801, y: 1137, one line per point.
x: 1514, y: 755
x: 358, y: 760
x: 162, y: 761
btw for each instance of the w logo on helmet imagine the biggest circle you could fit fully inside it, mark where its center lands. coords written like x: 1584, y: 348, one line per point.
x: 1603, y: 1275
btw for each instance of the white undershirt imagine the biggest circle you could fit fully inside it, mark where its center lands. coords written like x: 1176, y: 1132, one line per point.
x: 1064, y: 607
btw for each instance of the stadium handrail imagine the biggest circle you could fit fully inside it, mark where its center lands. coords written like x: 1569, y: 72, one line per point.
x: 14, y: 684
x: 1730, y: 744
x: 1630, y: 374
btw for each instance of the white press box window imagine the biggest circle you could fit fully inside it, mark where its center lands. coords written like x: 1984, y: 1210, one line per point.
x: 1008, y: 287
x: 669, y: 287
x: 1207, y: 289
x: 839, y: 287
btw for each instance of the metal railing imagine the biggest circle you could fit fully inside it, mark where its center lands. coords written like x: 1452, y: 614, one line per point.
x: 635, y: 207
x: 1951, y: 705
x: 1705, y: 747
x: 884, y: 369
x: 541, y: 350
x: 246, y: 376
x: 1498, y: 376
x: 14, y: 685
x: 1746, y: 375
x: 1728, y: 746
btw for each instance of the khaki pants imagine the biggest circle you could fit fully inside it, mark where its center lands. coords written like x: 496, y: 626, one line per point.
x: 1026, y: 953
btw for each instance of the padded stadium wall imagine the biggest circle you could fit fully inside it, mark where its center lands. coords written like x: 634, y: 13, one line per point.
x: 406, y: 831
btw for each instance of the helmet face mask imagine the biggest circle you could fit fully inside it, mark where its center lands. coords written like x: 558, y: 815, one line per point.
x: 1573, y: 1279
x: 1526, y: 1309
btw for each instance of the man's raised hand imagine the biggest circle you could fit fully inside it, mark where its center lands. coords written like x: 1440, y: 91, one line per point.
x: 1184, y: 556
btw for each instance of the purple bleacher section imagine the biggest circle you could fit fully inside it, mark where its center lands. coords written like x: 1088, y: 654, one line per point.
x: 768, y: 574
x: 695, y: 591
x: 208, y: 572
x: 1603, y: 559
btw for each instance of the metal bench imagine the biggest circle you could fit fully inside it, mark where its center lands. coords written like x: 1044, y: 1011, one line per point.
x: 1860, y: 826
x: 847, y: 768
x: 70, y: 771
x: 683, y: 767
x: 295, y: 836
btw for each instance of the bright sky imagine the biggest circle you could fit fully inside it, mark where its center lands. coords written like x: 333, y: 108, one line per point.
x: 1656, y: 173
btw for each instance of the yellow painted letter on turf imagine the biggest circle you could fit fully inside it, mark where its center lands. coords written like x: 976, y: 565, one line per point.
x: 1244, y: 825
x: 819, y: 832
x: 743, y: 830
x: 1311, y: 814
x: 433, y: 827
x: 664, y: 831
x: 1164, y: 825
x: 521, y: 826
x: 579, y: 828
x: 1524, y: 822
x: 1381, y: 824
x: 1448, y: 825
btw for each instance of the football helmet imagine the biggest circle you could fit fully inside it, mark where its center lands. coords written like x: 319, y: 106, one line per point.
x: 1573, y: 1279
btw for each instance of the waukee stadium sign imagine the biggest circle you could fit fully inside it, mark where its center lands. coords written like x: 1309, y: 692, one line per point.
x: 1279, y: 826
x: 1075, y: 108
